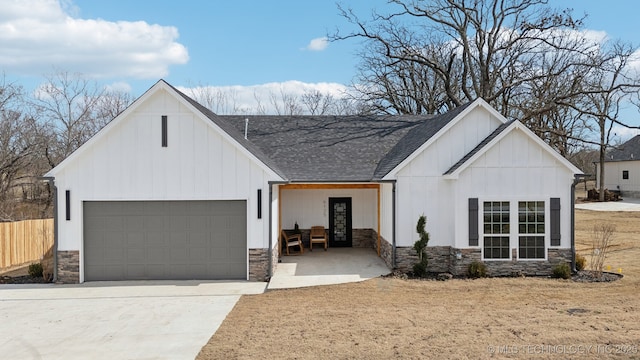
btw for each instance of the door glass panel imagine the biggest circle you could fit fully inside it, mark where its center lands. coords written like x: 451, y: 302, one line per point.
x: 340, y: 222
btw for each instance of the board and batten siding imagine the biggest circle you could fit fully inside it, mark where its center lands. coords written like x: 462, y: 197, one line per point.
x: 514, y: 169
x: 310, y: 207
x: 129, y: 163
x: 421, y: 189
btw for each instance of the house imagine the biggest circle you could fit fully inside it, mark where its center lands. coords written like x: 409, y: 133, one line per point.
x: 622, y: 169
x: 169, y: 190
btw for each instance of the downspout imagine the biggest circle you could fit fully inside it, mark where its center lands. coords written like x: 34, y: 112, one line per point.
x: 270, y: 252
x: 576, y: 180
x: 52, y: 184
x: 393, y: 226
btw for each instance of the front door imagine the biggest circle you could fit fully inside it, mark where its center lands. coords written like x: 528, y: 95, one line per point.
x: 340, y: 222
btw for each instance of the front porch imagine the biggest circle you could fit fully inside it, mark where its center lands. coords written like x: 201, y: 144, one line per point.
x: 335, y: 266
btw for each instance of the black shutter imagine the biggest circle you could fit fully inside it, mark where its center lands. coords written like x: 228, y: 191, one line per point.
x: 473, y: 221
x: 554, y: 211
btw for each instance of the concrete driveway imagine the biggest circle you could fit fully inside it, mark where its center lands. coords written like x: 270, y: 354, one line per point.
x: 123, y: 320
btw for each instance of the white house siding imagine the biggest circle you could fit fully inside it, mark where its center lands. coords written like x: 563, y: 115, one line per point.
x: 128, y: 163
x: 514, y: 169
x: 310, y: 207
x: 613, y: 177
x: 421, y: 188
x: 386, y: 211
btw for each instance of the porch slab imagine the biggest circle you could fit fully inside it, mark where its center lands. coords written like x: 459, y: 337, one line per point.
x: 334, y: 266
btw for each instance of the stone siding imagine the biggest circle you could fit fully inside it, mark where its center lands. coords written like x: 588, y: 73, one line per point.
x: 457, y: 261
x: 386, y: 251
x: 364, y: 238
x: 68, y: 267
x: 258, y: 264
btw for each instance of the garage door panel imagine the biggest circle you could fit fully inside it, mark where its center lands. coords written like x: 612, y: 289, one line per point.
x: 165, y: 240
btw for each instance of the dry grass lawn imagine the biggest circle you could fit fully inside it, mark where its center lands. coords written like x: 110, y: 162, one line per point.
x: 387, y: 318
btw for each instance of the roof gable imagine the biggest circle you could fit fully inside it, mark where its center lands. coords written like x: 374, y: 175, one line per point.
x: 205, y: 114
x: 495, y: 137
x: 418, y: 140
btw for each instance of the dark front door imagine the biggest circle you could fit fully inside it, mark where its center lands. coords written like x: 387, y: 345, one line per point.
x: 340, y: 222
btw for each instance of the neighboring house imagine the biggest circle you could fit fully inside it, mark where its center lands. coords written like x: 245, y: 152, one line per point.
x: 169, y: 190
x: 622, y: 169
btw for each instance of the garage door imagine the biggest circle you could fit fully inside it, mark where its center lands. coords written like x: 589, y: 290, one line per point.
x: 165, y: 240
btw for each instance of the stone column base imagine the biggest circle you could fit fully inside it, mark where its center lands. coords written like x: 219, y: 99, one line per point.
x: 68, y: 267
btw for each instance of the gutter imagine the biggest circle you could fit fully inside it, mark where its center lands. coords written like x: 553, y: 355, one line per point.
x: 52, y: 183
x: 576, y: 180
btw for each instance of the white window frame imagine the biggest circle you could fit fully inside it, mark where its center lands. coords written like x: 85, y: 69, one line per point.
x: 544, y: 235
x: 514, y: 235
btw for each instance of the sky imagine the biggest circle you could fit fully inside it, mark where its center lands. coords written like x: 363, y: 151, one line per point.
x: 245, y: 45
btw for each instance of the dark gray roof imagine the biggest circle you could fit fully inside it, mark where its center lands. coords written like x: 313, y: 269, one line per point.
x: 330, y: 148
x: 627, y: 151
x: 413, y: 140
x: 480, y: 146
x: 326, y: 148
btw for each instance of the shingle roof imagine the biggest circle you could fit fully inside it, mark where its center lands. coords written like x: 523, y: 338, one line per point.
x: 480, y: 146
x: 326, y: 148
x: 627, y: 151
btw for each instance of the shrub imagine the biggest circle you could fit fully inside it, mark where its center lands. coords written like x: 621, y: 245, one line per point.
x: 562, y: 271
x: 420, y: 268
x: 35, y: 270
x: 477, y: 269
x: 602, y: 237
x: 581, y: 262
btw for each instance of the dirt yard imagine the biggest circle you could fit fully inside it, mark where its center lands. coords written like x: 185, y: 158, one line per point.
x: 387, y: 318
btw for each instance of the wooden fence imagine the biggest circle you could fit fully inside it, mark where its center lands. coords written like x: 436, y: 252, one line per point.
x: 24, y: 242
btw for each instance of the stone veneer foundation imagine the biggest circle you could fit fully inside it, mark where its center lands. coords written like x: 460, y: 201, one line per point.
x: 259, y: 264
x: 68, y: 267
x: 445, y: 259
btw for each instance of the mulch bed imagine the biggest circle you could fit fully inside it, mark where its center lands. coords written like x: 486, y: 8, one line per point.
x: 581, y: 276
x: 592, y: 276
x: 26, y: 279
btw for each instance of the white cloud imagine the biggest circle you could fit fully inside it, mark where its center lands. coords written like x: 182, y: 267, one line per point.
x: 238, y: 99
x: 318, y: 44
x: 39, y: 35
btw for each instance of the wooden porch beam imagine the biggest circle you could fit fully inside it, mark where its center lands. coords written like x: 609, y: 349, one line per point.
x: 328, y: 186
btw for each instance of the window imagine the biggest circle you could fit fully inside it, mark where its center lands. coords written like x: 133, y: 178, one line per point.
x: 625, y: 174
x: 531, y: 230
x: 164, y: 130
x: 496, y: 223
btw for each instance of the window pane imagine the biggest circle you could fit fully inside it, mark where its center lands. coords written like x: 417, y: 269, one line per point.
x: 531, y: 247
x: 531, y: 217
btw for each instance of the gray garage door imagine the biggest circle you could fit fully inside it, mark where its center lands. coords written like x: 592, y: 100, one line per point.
x: 172, y: 240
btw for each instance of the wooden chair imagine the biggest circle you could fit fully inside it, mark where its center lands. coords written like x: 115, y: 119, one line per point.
x: 292, y: 240
x: 318, y: 236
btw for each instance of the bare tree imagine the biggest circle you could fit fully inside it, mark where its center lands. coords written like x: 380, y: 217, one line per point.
x: 74, y: 108
x: 609, y: 86
x: 20, y: 141
x: 316, y: 102
x: 285, y: 103
x: 525, y: 59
